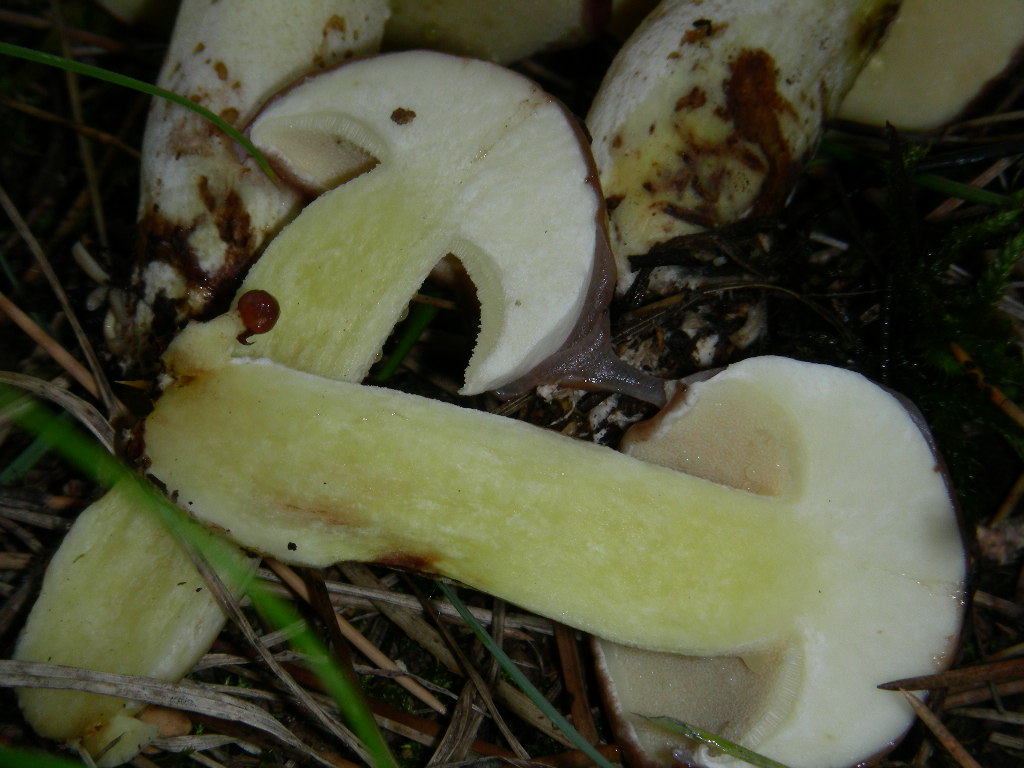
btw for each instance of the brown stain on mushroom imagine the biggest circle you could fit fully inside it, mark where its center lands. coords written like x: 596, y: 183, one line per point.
x: 752, y: 109
x: 755, y: 108
x: 402, y: 116
x: 696, y: 98
x: 232, y: 220
x: 207, y: 294
x: 873, y: 26
x: 701, y: 30
x: 716, y: 157
x: 410, y: 561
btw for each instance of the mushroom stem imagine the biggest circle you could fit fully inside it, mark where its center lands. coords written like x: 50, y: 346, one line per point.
x: 364, y: 480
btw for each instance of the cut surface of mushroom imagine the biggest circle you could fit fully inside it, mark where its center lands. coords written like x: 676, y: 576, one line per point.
x: 710, y: 109
x: 507, y: 188
x: 496, y: 507
x: 939, y: 57
x: 121, y: 595
x: 379, y: 475
x: 887, y: 608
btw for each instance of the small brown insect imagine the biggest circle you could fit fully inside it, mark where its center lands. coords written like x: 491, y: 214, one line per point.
x: 259, y: 312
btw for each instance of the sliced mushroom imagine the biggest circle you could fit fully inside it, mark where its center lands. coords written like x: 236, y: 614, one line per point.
x: 889, y: 606
x: 710, y: 110
x: 120, y: 595
x: 437, y: 203
x: 507, y: 187
x: 939, y: 58
x: 860, y: 504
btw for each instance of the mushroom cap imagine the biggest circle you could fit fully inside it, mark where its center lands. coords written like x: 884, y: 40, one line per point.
x: 507, y: 188
x: 888, y: 596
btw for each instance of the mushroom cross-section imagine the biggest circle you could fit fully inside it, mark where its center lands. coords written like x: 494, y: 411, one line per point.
x: 857, y: 532
x: 888, y: 598
x: 488, y: 168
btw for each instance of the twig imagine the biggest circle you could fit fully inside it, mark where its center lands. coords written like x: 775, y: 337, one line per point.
x: 86, y: 414
x: 945, y: 738
x: 994, y: 672
x: 979, y: 181
x: 62, y: 357
x: 231, y: 607
x: 92, y: 133
x: 84, y: 147
x: 470, y: 671
x: 984, y: 693
x: 101, y: 385
x: 354, y: 636
x: 35, y: 22
x: 181, y: 695
x: 996, y: 395
x: 572, y: 674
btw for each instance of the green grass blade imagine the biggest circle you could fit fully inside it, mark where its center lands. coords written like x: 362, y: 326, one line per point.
x: 694, y: 733
x: 420, y: 316
x: 84, y: 454
x: 948, y: 187
x: 143, y: 87
x: 959, y: 190
x: 520, y: 680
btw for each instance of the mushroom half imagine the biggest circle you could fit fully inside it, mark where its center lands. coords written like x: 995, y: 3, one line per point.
x: 510, y: 191
x: 887, y: 599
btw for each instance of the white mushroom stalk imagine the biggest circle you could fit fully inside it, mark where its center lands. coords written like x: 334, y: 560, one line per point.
x: 710, y: 110
x: 204, y: 215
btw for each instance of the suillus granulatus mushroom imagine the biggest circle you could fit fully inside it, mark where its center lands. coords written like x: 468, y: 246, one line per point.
x: 710, y: 109
x: 502, y: 479
x: 847, y: 567
x: 510, y: 193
